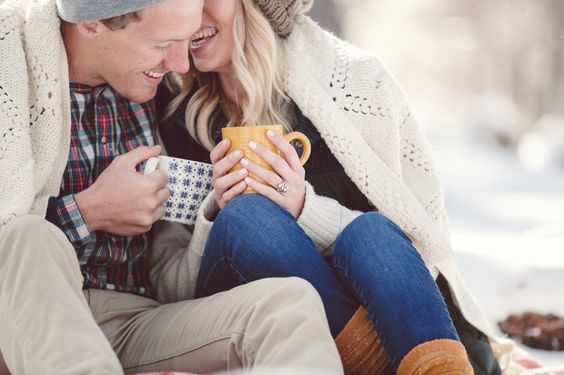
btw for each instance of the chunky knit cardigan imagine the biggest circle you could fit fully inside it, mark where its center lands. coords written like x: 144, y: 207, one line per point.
x: 34, y: 107
x: 364, y: 117
x: 355, y: 104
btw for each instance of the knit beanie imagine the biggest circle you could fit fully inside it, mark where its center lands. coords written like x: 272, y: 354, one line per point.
x: 282, y: 13
x: 76, y: 11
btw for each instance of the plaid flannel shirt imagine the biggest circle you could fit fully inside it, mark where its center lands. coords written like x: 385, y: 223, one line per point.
x: 104, y: 125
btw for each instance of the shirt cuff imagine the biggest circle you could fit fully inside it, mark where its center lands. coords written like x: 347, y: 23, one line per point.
x: 72, y: 223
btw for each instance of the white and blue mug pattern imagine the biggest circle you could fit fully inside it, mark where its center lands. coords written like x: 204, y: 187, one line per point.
x: 189, y: 182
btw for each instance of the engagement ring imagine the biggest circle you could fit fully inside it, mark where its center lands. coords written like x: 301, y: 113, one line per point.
x: 282, y: 187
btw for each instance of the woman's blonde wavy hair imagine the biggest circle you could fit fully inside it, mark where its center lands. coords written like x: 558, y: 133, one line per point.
x: 256, y: 62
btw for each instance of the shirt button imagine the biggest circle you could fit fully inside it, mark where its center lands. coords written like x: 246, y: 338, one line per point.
x: 104, y: 140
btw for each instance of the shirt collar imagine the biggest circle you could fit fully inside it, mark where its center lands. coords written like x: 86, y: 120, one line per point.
x: 82, y: 88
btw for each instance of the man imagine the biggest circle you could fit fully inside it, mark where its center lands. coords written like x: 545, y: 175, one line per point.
x: 71, y: 156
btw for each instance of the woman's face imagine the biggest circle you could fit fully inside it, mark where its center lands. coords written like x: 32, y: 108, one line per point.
x: 212, y: 45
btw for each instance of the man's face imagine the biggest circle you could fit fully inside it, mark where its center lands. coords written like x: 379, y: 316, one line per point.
x: 134, y: 60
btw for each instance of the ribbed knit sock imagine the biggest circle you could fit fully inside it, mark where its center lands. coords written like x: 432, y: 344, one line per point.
x: 437, y: 357
x: 360, y: 349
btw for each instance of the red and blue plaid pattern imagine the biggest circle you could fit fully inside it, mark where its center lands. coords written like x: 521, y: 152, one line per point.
x: 104, y: 125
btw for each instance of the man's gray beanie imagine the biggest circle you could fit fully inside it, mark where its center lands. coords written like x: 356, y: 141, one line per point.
x: 76, y: 11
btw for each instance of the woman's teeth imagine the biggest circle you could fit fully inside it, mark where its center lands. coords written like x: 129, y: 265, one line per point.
x: 202, y: 36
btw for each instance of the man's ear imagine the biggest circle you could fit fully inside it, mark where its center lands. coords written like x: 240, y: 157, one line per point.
x: 89, y: 29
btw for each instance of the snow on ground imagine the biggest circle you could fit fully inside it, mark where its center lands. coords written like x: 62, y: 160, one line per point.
x: 507, y: 224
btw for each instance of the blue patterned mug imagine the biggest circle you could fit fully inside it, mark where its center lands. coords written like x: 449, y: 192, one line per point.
x: 189, y: 182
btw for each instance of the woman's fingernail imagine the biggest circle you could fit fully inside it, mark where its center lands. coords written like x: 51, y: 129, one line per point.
x: 248, y: 180
x: 252, y: 145
x: 245, y: 161
x: 238, y: 153
x: 243, y: 172
x: 225, y: 142
x: 270, y: 134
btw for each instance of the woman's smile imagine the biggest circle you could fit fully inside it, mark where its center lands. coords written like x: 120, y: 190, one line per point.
x: 202, y: 39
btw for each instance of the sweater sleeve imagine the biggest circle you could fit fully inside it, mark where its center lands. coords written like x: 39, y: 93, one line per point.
x: 176, y: 254
x: 16, y: 159
x: 322, y: 219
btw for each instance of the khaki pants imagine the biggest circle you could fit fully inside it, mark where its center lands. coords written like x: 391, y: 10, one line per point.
x: 48, y: 325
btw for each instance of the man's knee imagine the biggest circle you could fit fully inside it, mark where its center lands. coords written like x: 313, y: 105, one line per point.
x: 32, y: 237
x: 290, y: 291
x: 24, y: 229
x: 300, y: 288
x: 28, y: 227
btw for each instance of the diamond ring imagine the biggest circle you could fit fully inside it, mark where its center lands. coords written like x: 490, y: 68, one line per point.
x: 282, y: 187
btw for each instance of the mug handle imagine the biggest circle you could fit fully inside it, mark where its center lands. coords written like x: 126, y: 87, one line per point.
x: 297, y: 136
x: 151, y: 165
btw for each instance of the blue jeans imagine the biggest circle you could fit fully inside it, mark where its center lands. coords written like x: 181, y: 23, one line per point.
x: 374, y: 264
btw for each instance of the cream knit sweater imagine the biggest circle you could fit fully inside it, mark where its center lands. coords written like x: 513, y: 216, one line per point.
x: 347, y: 94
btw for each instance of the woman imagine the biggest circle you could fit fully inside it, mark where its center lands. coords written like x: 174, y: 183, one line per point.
x: 363, y: 222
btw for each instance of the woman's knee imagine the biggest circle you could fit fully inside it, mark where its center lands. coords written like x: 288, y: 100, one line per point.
x: 370, y: 225
x: 371, y: 235
x: 252, y: 213
x: 250, y: 210
x: 254, y: 228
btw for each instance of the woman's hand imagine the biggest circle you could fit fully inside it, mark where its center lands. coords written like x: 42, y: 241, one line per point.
x: 287, y: 169
x: 227, y: 185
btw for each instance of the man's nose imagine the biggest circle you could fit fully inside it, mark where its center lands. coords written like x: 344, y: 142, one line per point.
x: 177, y: 60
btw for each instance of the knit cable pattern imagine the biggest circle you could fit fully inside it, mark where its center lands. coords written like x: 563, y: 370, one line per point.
x: 364, y: 117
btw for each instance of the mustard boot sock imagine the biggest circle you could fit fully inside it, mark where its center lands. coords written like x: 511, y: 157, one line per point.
x: 437, y: 357
x: 360, y: 349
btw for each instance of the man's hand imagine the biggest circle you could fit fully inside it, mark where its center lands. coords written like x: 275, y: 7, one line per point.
x: 123, y: 201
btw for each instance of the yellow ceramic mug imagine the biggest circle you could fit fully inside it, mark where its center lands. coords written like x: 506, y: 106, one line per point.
x: 240, y: 137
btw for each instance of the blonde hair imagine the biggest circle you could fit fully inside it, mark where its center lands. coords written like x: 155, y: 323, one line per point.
x: 256, y: 62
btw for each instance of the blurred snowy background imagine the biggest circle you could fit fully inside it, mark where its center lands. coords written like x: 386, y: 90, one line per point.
x: 486, y: 81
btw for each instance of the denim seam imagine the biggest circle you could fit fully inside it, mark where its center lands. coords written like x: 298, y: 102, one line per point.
x: 361, y: 296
